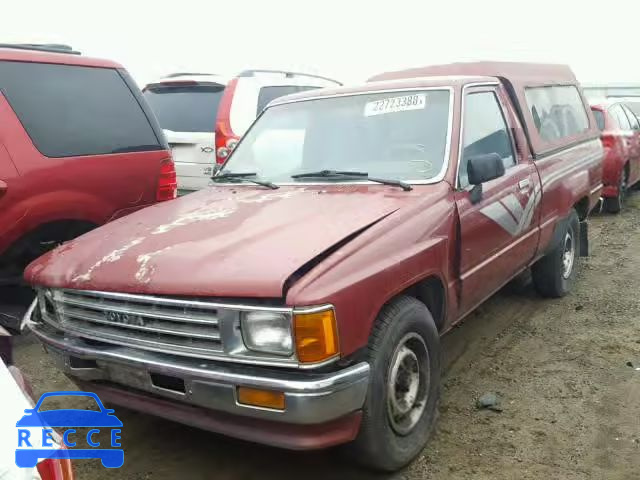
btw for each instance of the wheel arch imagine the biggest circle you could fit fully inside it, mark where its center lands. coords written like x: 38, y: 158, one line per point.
x: 63, y: 229
x: 430, y: 291
x: 582, y: 208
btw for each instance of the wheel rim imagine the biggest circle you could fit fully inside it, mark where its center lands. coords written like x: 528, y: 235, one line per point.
x: 568, y: 255
x: 408, y: 383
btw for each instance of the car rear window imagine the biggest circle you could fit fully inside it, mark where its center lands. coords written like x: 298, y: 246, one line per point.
x: 558, y: 111
x: 268, y: 94
x: 185, y: 108
x: 599, y: 118
x: 73, y: 110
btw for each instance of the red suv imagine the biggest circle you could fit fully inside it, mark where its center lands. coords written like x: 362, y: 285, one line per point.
x: 78, y: 147
x: 620, y: 135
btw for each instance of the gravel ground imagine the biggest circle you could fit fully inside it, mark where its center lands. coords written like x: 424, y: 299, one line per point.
x: 569, y: 397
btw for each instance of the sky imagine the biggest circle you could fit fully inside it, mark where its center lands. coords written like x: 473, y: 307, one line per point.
x: 349, y: 40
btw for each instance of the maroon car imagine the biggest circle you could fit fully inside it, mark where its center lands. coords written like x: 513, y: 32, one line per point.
x: 78, y: 147
x: 300, y: 301
x: 620, y: 134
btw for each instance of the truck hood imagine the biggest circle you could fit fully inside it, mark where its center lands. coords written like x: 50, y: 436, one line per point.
x: 222, y: 241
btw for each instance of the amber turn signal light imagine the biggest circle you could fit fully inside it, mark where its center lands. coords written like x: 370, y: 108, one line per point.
x: 261, y: 398
x: 316, y: 336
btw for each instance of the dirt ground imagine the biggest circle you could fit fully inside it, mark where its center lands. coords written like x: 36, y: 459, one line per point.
x: 571, y: 402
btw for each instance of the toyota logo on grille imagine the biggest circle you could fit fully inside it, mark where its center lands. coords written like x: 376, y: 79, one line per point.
x: 124, y: 318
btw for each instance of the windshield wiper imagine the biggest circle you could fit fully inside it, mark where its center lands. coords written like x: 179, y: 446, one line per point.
x: 345, y: 174
x: 244, y: 177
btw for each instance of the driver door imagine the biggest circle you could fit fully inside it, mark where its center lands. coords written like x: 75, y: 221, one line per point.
x: 498, y: 231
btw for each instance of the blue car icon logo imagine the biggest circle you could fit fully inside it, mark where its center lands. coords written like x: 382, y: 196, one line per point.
x: 36, y: 436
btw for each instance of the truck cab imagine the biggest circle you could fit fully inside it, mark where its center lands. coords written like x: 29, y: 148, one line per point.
x: 300, y: 300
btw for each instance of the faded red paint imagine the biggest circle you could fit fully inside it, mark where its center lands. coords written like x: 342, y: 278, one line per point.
x: 247, y: 241
x: 222, y: 241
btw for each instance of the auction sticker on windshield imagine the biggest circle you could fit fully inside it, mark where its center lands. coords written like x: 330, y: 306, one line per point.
x: 395, y: 104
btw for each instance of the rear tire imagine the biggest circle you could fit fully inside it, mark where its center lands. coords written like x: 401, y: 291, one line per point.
x: 555, y: 273
x: 402, y: 399
x: 615, y: 204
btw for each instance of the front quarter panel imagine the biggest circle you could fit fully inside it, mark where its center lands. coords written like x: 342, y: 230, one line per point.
x: 411, y: 244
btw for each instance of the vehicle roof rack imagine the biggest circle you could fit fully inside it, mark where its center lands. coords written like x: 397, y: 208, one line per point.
x: 42, y: 47
x: 252, y: 73
x: 189, y: 74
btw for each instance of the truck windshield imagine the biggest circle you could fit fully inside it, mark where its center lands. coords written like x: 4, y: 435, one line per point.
x: 398, y: 135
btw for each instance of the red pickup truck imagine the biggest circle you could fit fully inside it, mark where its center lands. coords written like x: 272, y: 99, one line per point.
x: 300, y: 300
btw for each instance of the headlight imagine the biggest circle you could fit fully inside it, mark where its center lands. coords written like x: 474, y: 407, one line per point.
x: 267, y: 332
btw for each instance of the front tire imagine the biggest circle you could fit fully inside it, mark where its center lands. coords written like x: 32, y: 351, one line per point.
x: 555, y: 273
x: 401, y: 405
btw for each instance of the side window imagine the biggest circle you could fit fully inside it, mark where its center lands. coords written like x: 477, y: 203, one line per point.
x: 620, y: 117
x: 267, y: 94
x: 484, y: 131
x: 633, y: 120
x: 599, y: 116
x: 75, y: 111
x: 557, y: 111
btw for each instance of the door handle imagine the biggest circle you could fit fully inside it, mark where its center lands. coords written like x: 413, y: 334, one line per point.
x: 523, y: 185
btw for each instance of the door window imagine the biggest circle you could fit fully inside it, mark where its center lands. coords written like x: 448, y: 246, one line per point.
x: 620, y: 117
x: 633, y: 120
x: 557, y: 111
x: 484, y: 131
x: 70, y: 110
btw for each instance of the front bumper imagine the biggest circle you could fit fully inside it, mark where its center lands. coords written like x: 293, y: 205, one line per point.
x: 195, y: 389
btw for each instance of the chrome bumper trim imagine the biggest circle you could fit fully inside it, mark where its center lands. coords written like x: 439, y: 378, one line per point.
x: 310, y: 398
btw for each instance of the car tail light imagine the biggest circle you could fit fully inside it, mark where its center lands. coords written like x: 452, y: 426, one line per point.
x: 226, y: 140
x: 167, y: 182
x: 614, y: 143
x: 55, y: 469
x: 608, y: 141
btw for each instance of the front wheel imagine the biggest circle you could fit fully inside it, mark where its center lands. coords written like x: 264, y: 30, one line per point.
x: 555, y: 273
x: 401, y: 404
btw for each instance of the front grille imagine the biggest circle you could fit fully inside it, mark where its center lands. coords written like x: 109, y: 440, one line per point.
x: 168, y: 325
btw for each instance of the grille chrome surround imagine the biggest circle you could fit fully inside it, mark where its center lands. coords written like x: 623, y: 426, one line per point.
x: 192, y: 328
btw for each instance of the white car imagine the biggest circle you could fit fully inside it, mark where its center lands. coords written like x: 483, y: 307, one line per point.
x: 203, y: 116
x: 16, y: 397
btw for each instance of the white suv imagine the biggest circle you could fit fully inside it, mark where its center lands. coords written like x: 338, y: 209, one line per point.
x: 204, y: 115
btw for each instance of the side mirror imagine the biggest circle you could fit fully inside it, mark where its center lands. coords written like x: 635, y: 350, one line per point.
x: 481, y: 169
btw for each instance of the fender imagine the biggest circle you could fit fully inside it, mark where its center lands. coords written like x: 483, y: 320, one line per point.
x: 358, y: 278
x: 612, y: 170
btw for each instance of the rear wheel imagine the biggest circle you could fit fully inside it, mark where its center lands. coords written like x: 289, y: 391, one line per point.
x: 34, y: 245
x: 401, y: 404
x: 555, y: 273
x: 615, y: 204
